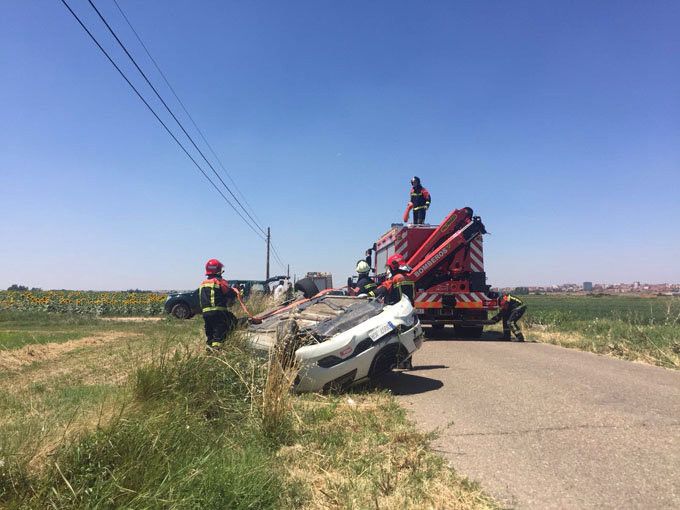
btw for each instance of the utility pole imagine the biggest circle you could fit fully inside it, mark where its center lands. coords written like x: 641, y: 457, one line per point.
x: 269, y: 242
x: 288, y: 271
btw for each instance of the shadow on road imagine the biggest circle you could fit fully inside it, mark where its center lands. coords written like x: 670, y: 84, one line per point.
x: 427, y: 367
x: 406, y: 383
x: 448, y: 335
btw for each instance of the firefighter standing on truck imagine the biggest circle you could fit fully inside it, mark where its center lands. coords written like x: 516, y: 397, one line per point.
x: 420, y: 201
x: 365, y: 284
x: 214, y: 295
x: 512, y: 309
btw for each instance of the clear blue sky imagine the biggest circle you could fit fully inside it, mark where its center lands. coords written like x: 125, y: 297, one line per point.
x: 558, y: 122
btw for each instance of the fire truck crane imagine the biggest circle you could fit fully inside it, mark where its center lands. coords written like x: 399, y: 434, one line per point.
x: 447, y: 264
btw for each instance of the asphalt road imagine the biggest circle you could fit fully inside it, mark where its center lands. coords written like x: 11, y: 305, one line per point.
x: 541, y: 426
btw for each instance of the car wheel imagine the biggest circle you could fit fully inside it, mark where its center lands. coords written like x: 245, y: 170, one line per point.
x: 307, y: 287
x: 181, y: 311
x: 387, y: 359
x: 468, y: 331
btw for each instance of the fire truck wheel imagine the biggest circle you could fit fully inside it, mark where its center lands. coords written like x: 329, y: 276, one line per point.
x: 468, y: 331
x: 307, y: 287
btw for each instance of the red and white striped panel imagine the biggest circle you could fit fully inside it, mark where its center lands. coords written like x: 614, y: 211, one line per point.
x: 477, y: 255
x: 463, y: 300
x: 401, y: 244
x: 427, y: 297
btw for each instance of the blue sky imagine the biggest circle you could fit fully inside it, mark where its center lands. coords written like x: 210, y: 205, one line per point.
x: 558, y: 122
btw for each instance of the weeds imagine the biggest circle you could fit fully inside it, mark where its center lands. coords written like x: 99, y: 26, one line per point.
x: 218, y: 430
x: 638, y: 329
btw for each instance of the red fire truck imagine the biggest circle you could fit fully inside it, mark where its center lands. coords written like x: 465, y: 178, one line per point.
x: 447, y: 266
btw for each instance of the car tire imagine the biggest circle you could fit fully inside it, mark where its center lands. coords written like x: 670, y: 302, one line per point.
x: 181, y: 311
x: 387, y: 359
x: 468, y: 331
x: 307, y: 287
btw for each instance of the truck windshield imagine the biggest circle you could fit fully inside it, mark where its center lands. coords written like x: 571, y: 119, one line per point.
x: 381, y: 257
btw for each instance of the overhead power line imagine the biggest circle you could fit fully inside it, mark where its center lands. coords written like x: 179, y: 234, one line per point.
x: 186, y: 111
x: 106, y: 54
x: 172, y: 114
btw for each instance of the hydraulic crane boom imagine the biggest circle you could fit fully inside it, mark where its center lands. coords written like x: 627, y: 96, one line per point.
x: 452, y: 223
x: 443, y: 253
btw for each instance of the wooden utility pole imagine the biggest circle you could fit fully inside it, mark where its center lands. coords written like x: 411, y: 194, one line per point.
x: 288, y: 271
x: 269, y: 242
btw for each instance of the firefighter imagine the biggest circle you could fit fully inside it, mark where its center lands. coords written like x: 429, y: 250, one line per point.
x: 365, y: 284
x: 512, y: 309
x: 214, y: 295
x: 398, y: 284
x: 420, y: 201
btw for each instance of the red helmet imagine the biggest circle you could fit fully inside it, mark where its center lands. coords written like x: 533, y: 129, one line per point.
x: 396, y: 260
x: 214, y: 267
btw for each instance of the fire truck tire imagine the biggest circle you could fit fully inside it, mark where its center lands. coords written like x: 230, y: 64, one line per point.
x: 307, y: 287
x: 468, y: 331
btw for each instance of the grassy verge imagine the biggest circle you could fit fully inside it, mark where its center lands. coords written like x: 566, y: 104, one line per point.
x: 152, y: 421
x: 633, y: 328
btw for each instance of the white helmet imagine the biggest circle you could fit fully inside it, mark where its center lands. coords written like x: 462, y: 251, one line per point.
x: 363, y: 267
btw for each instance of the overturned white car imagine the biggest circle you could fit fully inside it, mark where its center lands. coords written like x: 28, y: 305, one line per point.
x: 345, y: 339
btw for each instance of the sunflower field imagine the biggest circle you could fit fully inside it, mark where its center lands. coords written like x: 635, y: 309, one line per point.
x: 84, y: 302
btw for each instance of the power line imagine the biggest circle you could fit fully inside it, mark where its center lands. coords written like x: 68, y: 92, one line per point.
x: 94, y: 39
x: 277, y: 257
x: 173, y: 115
x: 200, y: 132
x: 167, y: 82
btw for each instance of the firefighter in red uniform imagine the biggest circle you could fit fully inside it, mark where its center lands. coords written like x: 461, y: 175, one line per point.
x: 214, y: 295
x: 420, y: 201
x: 398, y: 285
x: 512, y: 309
x: 392, y: 289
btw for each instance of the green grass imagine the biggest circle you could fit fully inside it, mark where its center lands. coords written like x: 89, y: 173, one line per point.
x: 151, y: 421
x: 635, y: 328
x: 18, y: 329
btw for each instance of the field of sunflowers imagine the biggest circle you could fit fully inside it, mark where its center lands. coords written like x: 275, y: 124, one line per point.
x: 77, y: 302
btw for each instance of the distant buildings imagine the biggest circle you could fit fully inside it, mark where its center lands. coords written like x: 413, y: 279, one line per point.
x: 670, y: 289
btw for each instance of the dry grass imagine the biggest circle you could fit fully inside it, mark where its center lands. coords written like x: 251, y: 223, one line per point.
x: 320, y: 451
x: 361, y: 452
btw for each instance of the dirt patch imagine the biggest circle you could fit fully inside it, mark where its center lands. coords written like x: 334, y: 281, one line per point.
x: 17, y: 359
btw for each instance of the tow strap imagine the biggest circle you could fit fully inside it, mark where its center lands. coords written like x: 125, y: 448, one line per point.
x: 251, y: 318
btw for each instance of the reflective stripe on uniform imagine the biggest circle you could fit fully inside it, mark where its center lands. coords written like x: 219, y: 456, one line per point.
x: 212, y: 308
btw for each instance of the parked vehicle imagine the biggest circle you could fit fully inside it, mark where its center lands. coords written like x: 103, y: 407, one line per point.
x: 447, y: 267
x: 184, y: 305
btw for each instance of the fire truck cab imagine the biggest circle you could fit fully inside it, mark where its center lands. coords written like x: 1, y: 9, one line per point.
x: 447, y: 267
